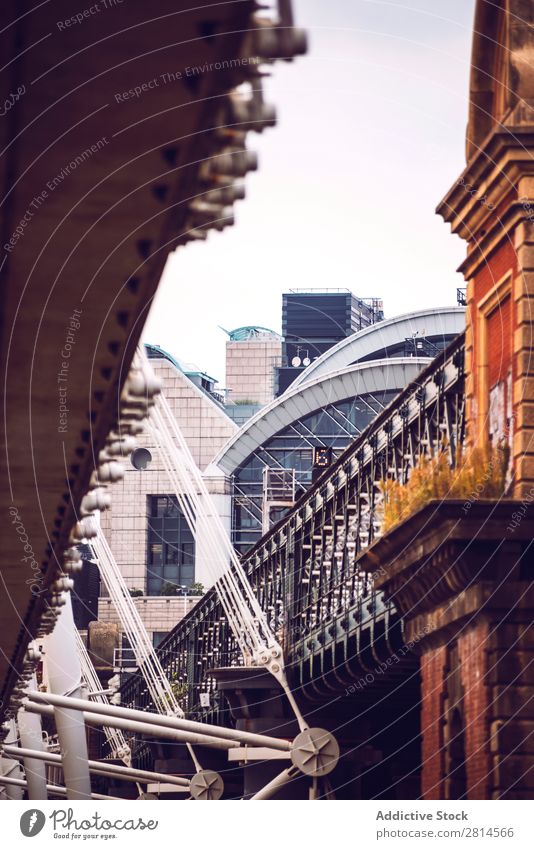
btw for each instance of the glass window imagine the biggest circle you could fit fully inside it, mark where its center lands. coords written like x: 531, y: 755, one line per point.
x: 170, y: 547
x: 172, y: 553
x: 333, y: 427
x: 158, y: 637
x: 155, y: 553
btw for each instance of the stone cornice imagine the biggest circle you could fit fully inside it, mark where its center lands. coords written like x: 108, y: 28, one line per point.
x: 500, y: 229
x: 491, y: 175
x: 478, y: 601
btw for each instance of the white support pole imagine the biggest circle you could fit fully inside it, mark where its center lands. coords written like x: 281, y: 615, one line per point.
x: 10, y: 768
x: 157, y: 720
x: 64, y: 677
x: 277, y: 783
x: 31, y: 737
x: 102, y: 768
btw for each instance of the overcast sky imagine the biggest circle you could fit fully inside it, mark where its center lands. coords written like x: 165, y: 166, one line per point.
x: 370, y: 136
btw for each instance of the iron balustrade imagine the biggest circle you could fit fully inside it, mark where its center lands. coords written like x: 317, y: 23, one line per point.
x: 304, y: 570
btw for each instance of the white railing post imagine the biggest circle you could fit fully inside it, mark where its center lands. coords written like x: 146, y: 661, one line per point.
x: 31, y: 737
x: 64, y: 677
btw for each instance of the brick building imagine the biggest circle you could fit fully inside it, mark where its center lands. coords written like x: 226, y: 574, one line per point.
x: 477, y: 671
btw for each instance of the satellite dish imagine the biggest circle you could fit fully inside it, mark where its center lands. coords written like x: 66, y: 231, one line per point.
x: 306, y: 361
x: 141, y: 459
x: 295, y: 362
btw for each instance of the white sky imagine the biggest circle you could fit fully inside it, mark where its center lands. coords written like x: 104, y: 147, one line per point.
x: 370, y: 136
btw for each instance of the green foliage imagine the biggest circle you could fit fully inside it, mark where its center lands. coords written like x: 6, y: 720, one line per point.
x: 179, y: 688
x: 135, y: 592
x: 168, y: 589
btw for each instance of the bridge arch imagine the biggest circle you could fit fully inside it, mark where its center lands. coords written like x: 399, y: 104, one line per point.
x: 360, y: 379
x: 386, y: 339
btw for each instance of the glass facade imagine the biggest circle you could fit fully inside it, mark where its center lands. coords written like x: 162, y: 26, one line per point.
x: 313, y: 321
x: 334, y: 426
x: 170, y: 547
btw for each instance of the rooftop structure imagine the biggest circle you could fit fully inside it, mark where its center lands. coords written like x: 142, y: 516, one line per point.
x: 252, y: 356
x: 313, y: 320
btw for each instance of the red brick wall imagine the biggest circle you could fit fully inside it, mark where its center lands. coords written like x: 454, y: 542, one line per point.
x: 432, y: 691
x: 503, y: 259
x: 473, y: 653
x: 500, y: 342
x: 500, y: 326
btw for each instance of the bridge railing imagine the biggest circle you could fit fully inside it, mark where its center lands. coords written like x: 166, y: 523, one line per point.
x: 304, y: 570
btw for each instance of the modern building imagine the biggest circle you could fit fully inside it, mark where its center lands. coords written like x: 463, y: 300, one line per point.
x: 146, y: 530
x: 313, y: 320
x: 327, y: 406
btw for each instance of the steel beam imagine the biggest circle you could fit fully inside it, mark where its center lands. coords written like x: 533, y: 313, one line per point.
x: 277, y: 783
x: 31, y: 738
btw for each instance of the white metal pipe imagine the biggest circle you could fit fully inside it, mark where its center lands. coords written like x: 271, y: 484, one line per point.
x: 245, y: 616
x: 11, y: 768
x: 101, y: 767
x: 64, y: 676
x: 31, y: 738
x: 99, y: 720
x: 53, y: 789
x: 115, y: 738
x: 173, y: 722
x: 182, y: 471
x: 276, y: 784
x: 132, y: 624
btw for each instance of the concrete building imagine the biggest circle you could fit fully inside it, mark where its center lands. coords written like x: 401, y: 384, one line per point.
x: 145, y: 528
x: 252, y: 356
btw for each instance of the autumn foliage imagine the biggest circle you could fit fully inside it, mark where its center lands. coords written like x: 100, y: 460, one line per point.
x: 480, y: 473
